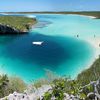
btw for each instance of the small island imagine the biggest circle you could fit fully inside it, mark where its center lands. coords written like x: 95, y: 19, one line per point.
x: 16, y: 24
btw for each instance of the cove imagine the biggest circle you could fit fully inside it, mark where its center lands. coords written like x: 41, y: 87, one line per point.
x: 62, y: 55
x: 60, y: 52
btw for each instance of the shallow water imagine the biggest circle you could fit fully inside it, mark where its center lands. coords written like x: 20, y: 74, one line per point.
x: 61, y: 51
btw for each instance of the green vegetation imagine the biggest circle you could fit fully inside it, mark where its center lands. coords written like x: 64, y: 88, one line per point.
x: 10, y: 84
x: 71, y: 87
x: 21, y: 24
x: 91, y: 74
x: 80, y: 87
x: 16, y: 84
x: 61, y: 86
x: 3, y: 85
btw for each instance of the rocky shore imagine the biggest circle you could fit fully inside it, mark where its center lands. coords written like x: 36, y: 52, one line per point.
x: 39, y: 93
x: 7, y: 29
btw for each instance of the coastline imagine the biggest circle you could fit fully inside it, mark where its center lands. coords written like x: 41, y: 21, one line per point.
x: 94, y: 43
x: 93, y: 17
x: 16, y: 24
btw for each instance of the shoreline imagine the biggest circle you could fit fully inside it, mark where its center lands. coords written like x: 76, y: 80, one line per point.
x: 93, y: 17
x: 95, y: 43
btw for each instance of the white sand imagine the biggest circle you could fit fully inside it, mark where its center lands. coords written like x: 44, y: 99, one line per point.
x: 95, y: 42
x: 93, y: 17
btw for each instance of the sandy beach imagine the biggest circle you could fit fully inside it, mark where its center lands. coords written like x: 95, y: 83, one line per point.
x: 95, y: 42
x: 93, y: 17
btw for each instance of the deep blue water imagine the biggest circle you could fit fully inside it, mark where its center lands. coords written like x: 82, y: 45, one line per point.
x: 65, y: 55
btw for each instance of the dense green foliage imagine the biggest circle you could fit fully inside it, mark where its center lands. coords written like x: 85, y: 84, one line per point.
x: 22, y: 24
x: 3, y: 85
x: 71, y: 87
x: 16, y: 84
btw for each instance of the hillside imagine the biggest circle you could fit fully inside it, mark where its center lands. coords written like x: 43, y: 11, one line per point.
x: 90, y: 74
x: 16, y: 24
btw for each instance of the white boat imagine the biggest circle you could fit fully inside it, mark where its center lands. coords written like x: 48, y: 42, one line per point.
x: 37, y: 43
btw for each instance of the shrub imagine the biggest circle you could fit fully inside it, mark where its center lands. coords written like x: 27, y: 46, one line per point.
x: 40, y: 82
x: 3, y: 85
x: 16, y: 84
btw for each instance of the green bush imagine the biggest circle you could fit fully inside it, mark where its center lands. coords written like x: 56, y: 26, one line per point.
x: 16, y: 84
x: 90, y: 74
x: 10, y: 84
x: 3, y: 85
x: 47, y: 96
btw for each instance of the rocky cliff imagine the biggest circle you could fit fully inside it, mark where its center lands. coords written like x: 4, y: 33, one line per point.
x: 16, y: 24
x: 7, y: 29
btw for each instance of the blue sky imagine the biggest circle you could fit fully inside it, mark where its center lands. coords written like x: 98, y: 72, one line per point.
x: 49, y: 5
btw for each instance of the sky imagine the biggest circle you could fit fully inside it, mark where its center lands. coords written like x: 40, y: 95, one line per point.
x: 49, y: 5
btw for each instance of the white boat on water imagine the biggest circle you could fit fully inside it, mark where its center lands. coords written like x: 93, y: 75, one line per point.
x: 37, y: 43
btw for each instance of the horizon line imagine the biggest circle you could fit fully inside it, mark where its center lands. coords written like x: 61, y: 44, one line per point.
x: 52, y: 11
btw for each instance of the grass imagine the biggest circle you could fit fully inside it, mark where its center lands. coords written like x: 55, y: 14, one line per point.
x: 90, y: 74
x: 22, y: 24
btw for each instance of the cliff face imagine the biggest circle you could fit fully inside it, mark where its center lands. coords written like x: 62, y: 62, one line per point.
x: 7, y: 29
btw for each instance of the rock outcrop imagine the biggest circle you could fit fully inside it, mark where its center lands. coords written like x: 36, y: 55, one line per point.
x: 30, y: 94
x: 7, y: 29
x: 16, y: 24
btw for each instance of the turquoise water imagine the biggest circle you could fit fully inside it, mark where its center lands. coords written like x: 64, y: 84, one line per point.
x: 61, y: 51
